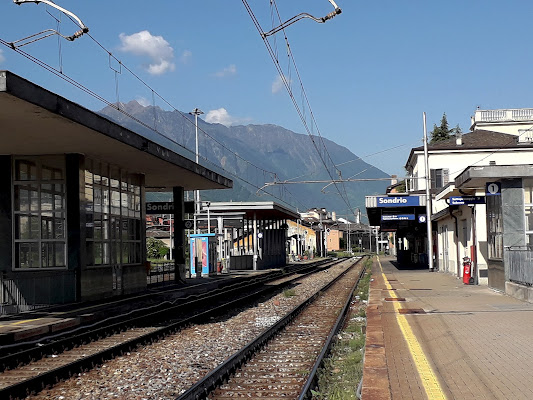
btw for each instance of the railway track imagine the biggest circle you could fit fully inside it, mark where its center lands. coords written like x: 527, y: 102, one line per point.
x: 283, y: 361
x: 31, y: 370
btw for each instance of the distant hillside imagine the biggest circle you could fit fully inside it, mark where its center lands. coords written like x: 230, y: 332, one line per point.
x: 271, y: 147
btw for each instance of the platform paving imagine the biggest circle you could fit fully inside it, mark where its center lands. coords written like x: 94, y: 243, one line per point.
x: 477, y: 342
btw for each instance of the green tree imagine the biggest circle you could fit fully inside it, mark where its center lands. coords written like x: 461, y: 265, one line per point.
x: 457, y: 130
x: 155, y: 248
x: 442, y: 132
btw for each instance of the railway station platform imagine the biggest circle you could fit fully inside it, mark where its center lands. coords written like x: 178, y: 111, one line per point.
x: 429, y: 336
x: 31, y: 325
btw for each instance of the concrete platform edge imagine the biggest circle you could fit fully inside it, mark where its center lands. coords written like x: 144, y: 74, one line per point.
x: 376, y: 383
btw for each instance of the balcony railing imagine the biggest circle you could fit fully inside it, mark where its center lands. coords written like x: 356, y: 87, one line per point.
x: 504, y: 115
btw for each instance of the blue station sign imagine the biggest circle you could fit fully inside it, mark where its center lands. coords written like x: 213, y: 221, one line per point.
x: 493, y: 189
x: 398, y: 217
x: 398, y: 201
x: 465, y: 200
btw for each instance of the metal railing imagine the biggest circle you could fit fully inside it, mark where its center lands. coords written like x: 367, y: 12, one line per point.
x: 161, y: 274
x: 519, y: 264
x: 516, y: 114
x: 35, y: 290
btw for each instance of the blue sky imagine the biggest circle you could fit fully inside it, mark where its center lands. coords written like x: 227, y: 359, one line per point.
x: 369, y: 73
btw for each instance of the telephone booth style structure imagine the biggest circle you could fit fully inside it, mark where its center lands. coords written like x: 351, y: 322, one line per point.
x: 203, y: 254
x: 72, y: 199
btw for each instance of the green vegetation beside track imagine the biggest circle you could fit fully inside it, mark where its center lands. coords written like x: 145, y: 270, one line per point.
x: 343, y: 369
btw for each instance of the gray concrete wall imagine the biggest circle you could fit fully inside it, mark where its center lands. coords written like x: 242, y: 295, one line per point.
x: 513, y: 212
x: 496, y: 275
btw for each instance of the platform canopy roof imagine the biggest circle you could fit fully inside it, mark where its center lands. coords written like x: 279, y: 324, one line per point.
x: 394, y: 205
x: 261, y: 209
x: 477, y: 177
x: 35, y: 121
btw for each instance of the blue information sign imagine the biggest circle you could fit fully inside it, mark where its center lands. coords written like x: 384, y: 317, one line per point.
x: 398, y: 217
x: 462, y: 200
x: 398, y: 201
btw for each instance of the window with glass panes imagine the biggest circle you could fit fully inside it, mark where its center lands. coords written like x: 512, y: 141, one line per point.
x: 113, y: 215
x: 495, y: 227
x: 39, y: 214
x: 528, y: 208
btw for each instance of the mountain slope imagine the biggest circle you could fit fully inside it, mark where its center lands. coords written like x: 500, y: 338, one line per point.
x: 290, y: 155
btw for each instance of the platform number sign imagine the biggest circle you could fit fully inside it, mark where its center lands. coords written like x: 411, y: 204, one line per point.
x: 188, y: 224
x: 493, y: 189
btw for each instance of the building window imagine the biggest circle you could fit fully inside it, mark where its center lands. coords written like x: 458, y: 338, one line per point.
x: 39, y: 215
x: 439, y: 178
x: 495, y: 227
x: 528, y: 208
x: 414, y: 183
x: 113, y: 215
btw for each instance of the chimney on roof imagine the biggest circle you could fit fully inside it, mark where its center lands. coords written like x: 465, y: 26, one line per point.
x: 459, y: 139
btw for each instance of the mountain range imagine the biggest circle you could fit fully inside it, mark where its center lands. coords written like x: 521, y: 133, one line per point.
x: 237, y: 151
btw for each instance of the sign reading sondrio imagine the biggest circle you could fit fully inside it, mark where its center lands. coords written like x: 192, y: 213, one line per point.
x: 398, y: 201
x: 159, y: 207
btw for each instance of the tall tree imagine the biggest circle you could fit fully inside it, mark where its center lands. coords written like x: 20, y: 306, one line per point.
x: 457, y: 130
x: 442, y: 132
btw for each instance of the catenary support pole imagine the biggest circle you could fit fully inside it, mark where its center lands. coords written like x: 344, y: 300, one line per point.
x: 428, y: 198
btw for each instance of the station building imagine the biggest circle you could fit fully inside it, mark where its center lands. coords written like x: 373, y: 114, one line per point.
x: 481, y: 185
x: 72, y: 204
x: 250, y: 235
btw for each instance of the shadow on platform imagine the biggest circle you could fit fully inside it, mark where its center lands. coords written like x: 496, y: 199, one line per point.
x: 407, y: 265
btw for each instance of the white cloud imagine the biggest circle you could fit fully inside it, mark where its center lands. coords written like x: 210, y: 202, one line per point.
x: 221, y: 116
x: 278, y: 84
x: 228, y: 71
x: 156, y: 48
x: 185, y: 56
x: 2, y: 58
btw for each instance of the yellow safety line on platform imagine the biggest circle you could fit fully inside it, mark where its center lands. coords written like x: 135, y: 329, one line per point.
x: 20, y: 322
x: 427, y: 376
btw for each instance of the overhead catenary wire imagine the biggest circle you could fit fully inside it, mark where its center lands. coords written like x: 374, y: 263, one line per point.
x: 287, y: 85
x: 100, y: 98
x: 85, y: 30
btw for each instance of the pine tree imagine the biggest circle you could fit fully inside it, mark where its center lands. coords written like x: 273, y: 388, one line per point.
x: 442, y: 132
x: 457, y: 130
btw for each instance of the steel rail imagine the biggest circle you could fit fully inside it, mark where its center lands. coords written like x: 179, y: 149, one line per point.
x: 37, y: 383
x: 202, y: 388
x: 22, y: 354
x: 312, y: 379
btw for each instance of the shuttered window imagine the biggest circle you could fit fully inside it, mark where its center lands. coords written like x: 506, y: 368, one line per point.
x: 439, y: 178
